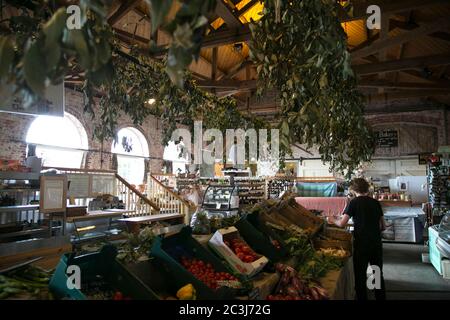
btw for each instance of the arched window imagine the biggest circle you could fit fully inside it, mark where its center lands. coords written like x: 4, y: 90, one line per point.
x: 131, y: 150
x: 60, y: 141
x: 175, y: 153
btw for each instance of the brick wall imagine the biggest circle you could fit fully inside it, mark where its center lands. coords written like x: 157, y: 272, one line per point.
x: 13, y: 131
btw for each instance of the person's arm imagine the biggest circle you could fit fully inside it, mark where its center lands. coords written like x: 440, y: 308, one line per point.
x: 340, y: 222
x: 382, y: 221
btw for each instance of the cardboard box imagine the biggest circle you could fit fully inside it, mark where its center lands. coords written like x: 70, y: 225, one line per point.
x: 217, y: 243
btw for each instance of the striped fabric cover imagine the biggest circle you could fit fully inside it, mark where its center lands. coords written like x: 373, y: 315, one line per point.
x: 317, y: 189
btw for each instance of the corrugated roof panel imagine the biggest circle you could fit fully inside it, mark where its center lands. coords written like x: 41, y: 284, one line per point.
x: 255, y: 13
x: 356, y: 32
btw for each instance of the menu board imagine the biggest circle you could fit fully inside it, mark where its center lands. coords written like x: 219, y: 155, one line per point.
x: 53, y: 194
x: 387, y: 138
x: 103, y: 184
x: 51, y: 105
x: 78, y: 185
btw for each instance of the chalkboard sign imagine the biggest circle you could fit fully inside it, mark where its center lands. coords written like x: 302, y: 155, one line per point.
x: 387, y: 138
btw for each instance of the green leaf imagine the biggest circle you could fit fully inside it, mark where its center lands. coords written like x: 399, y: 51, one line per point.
x: 75, y: 39
x: 53, y: 31
x: 34, y: 66
x: 54, y: 28
x: 6, y: 56
x: 159, y: 10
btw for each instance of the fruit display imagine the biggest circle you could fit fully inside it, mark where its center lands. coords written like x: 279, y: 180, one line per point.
x: 205, y: 272
x: 292, y: 287
x: 242, y: 250
x: 29, y: 282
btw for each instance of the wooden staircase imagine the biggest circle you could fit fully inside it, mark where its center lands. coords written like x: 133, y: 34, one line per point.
x: 167, y: 200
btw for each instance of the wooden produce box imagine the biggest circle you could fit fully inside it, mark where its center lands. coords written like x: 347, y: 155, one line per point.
x: 290, y: 212
x: 336, y: 234
x: 333, y: 244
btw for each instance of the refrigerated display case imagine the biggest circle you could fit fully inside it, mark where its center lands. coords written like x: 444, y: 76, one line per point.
x: 221, y: 201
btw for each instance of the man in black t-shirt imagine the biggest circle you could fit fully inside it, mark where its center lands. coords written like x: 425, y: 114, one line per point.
x: 368, y: 221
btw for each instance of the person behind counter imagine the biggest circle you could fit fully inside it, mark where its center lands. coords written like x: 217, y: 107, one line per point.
x: 368, y: 222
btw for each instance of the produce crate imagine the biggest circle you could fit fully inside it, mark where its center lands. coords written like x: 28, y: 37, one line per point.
x: 217, y: 243
x: 336, y: 234
x: 168, y: 252
x: 257, y: 221
x: 259, y: 241
x: 92, y: 265
x: 333, y: 244
x: 293, y: 213
x: 153, y: 275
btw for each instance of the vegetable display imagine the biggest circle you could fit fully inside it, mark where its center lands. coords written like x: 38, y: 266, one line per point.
x: 205, y: 272
x: 136, y: 247
x: 292, y: 287
x: 30, y: 282
x: 100, y: 289
x: 242, y: 250
x: 187, y: 292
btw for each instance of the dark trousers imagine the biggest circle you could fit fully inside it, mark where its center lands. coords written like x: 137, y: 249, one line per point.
x: 364, y: 255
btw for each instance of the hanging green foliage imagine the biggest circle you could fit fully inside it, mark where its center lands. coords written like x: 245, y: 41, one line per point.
x: 38, y: 48
x: 187, y: 28
x: 138, y: 79
x: 302, y: 53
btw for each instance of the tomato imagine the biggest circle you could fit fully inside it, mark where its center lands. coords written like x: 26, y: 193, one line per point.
x: 118, y: 296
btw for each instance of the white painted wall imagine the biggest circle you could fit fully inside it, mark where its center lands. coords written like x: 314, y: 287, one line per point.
x: 314, y: 168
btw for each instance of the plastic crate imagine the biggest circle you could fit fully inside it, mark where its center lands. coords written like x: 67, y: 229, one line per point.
x: 168, y: 252
x: 102, y: 263
x: 259, y: 241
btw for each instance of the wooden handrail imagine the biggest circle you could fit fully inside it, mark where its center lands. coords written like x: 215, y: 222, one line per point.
x: 81, y: 170
x: 171, y: 192
x: 138, y: 193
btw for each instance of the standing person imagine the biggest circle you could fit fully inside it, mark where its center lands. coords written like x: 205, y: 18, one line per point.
x: 368, y: 222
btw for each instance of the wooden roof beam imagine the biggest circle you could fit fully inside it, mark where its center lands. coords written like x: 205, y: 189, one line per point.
x: 122, y: 11
x: 403, y: 85
x: 226, y: 13
x: 403, y: 64
x: 388, y: 7
x: 412, y: 35
x: 382, y: 98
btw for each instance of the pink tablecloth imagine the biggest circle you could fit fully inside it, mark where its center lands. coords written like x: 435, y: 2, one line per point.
x: 333, y: 206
